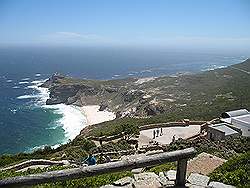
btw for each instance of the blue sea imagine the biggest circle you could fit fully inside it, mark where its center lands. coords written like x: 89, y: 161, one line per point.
x: 26, y: 123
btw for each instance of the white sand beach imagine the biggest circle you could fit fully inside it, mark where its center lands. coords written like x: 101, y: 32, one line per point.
x: 94, y: 116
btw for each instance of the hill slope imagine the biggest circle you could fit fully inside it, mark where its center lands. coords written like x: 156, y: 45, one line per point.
x: 151, y: 96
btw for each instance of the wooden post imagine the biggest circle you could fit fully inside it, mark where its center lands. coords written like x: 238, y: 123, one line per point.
x: 181, y: 172
x: 134, y: 162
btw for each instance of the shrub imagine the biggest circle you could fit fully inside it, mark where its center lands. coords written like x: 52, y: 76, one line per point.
x: 234, y: 172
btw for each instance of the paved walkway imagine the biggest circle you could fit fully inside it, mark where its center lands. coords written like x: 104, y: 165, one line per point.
x: 204, y: 164
x: 180, y: 132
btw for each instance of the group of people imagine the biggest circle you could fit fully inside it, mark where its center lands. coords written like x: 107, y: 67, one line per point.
x: 157, y: 132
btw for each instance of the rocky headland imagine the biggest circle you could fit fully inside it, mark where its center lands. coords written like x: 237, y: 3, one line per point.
x: 144, y: 97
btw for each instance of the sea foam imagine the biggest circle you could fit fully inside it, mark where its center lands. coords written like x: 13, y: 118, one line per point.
x: 73, y: 121
x: 23, y: 82
x: 27, y: 96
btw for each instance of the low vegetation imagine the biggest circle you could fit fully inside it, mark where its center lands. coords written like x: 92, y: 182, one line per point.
x: 224, y: 148
x: 234, y: 172
x: 95, y: 181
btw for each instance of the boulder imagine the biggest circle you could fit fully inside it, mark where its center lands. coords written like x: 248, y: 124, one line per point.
x: 103, y: 107
x: 197, y: 179
x: 124, y: 181
x: 145, y: 176
x: 137, y: 170
x: 164, y: 181
x: 214, y: 184
x: 146, y: 180
x: 118, y: 114
x: 171, y: 175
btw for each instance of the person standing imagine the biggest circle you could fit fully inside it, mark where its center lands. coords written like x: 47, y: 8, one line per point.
x: 173, y: 139
x: 136, y: 146
x: 161, y: 132
x: 157, y: 132
x: 153, y: 134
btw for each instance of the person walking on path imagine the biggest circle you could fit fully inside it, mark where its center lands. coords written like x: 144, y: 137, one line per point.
x: 154, y: 134
x: 161, y: 132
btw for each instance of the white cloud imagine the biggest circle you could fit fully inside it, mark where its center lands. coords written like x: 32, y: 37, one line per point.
x: 75, y: 35
x: 67, y: 34
x: 68, y: 37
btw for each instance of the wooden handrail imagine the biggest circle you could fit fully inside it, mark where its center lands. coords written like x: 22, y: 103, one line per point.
x: 147, y: 161
x: 31, y: 163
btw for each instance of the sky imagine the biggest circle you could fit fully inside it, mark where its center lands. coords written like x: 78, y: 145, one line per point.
x: 166, y: 23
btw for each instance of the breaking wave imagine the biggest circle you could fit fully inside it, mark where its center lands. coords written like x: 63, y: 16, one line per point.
x: 72, y: 121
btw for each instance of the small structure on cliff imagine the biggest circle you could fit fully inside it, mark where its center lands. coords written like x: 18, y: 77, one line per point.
x: 240, y: 119
x: 221, y: 131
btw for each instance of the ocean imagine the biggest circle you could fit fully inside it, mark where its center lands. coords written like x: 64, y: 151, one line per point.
x: 26, y: 123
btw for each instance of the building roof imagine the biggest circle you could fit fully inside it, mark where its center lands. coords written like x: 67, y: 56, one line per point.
x: 234, y: 113
x: 223, y: 127
x: 243, y: 118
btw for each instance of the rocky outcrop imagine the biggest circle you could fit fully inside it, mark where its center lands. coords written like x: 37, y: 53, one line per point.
x: 61, y: 94
x: 131, y: 95
x: 55, y: 78
x: 111, y: 89
x: 153, y: 109
x: 150, y: 179
x: 67, y: 93
x: 103, y: 107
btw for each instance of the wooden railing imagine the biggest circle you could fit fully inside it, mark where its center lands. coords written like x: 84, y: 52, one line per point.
x: 181, y: 156
x: 28, y: 163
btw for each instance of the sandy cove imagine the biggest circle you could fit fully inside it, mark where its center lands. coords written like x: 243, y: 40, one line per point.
x: 94, y: 116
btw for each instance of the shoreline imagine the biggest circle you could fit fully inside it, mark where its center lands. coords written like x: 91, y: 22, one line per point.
x: 94, y: 116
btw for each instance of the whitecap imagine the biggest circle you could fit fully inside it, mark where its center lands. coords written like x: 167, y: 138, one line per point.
x: 27, y: 96
x: 9, y: 81
x: 31, y: 87
x: 213, y: 67
x: 13, y: 111
x: 145, y: 71
x: 25, y: 79
x: 16, y: 87
x: 38, y: 74
x: 37, y: 81
x: 53, y: 127
x: 24, y: 82
x: 32, y: 149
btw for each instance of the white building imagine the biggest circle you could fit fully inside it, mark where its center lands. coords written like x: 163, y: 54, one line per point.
x: 221, y: 131
x: 239, y: 119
